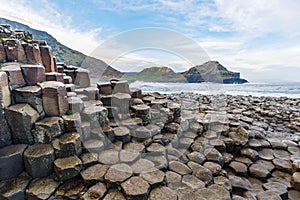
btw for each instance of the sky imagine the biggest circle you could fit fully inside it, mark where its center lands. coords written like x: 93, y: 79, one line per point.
x: 258, y: 38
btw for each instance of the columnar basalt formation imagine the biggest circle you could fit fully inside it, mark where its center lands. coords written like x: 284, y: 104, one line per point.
x: 61, y: 140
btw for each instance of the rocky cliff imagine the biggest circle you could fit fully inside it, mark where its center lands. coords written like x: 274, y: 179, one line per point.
x: 98, y: 68
x: 212, y: 71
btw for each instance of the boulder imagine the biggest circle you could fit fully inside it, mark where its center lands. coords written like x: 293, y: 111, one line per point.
x: 47, y: 58
x: 11, y: 161
x: 31, y: 95
x: 21, y: 118
x: 47, y: 129
x: 38, y: 160
x: 105, y: 88
x: 33, y: 74
x: 55, y: 97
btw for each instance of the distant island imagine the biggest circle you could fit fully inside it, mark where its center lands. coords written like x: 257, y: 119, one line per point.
x: 211, y: 71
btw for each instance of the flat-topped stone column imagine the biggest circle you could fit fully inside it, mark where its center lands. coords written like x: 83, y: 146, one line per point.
x: 31, y: 95
x: 47, y: 58
x: 5, y: 100
x: 82, y: 78
x: 39, y: 159
x: 47, y: 129
x: 33, y: 74
x: 55, y: 76
x: 20, y: 118
x: 55, y: 97
x: 33, y: 53
x: 15, y: 76
x: 11, y: 161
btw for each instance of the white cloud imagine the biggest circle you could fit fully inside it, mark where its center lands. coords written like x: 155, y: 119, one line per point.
x: 43, y: 15
x: 261, y: 16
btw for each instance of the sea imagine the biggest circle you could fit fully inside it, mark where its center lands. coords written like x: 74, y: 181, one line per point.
x: 280, y: 89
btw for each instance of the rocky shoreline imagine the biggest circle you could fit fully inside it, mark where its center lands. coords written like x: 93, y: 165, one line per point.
x: 62, y: 137
x: 216, y: 147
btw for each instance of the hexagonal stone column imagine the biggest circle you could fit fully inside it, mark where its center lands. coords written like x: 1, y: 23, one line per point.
x: 14, y: 50
x: 70, y: 144
x: 33, y: 53
x: 162, y: 193
x: 91, y: 92
x: 67, y: 168
x: 20, y: 118
x: 136, y: 188
x: 75, y: 104
x: 105, y: 88
x: 118, y: 173
x: 55, y: 97
x: 121, y: 101
x: 120, y: 87
x: 33, y: 74
x: 94, y: 174
x: 82, y: 78
x: 97, y: 191
x: 38, y: 160
x: 41, y: 188
x: 55, y: 76
x: 72, y: 122
x: 15, y: 75
x: 5, y: 135
x: 47, y: 129
x: 96, y: 115
x: 47, y: 58
x: 142, y: 111
x: 11, y: 161
x: 14, y: 188
x: 31, y: 95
